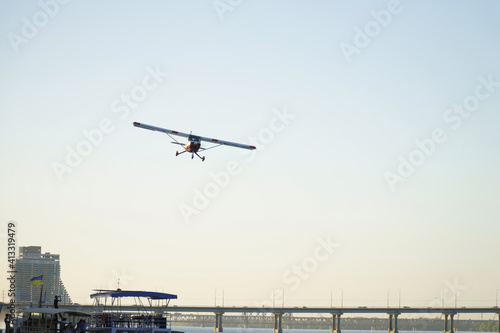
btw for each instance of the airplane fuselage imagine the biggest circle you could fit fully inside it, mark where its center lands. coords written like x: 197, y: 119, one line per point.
x: 192, y: 146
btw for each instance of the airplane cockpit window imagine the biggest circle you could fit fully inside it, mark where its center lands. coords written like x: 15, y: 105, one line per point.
x: 194, y: 138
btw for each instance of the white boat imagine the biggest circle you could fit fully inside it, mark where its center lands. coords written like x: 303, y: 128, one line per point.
x: 128, y: 311
x: 44, y: 319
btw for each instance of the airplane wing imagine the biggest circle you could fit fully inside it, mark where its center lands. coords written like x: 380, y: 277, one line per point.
x: 227, y: 143
x: 159, y: 129
x: 214, y: 141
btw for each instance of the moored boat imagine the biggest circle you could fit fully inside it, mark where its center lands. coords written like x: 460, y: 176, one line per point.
x: 129, y: 311
x: 46, y: 319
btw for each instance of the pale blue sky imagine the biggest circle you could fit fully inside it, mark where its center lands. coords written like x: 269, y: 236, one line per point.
x: 322, y: 174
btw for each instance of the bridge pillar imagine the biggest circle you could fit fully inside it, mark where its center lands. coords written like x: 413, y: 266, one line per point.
x: 218, y: 322
x: 498, y: 327
x: 277, y: 322
x: 335, y: 323
x: 448, y: 328
x: 393, y: 328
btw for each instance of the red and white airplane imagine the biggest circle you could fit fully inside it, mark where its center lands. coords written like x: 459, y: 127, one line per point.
x: 193, y: 145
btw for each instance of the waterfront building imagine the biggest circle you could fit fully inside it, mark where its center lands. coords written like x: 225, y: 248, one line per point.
x: 31, y: 263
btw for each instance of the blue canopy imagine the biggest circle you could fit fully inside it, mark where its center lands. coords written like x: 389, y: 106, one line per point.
x: 133, y: 293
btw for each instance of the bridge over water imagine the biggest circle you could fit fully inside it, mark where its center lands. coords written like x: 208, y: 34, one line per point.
x: 392, y: 312
x: 336, y: 314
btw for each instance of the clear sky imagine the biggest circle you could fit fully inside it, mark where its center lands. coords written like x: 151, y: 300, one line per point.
x: 376, y: 169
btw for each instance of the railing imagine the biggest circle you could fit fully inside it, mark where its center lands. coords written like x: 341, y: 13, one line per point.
x: 37, y: 329
x: 131, y: 321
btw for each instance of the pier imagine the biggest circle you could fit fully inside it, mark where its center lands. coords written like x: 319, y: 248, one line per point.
x: 335, y: 327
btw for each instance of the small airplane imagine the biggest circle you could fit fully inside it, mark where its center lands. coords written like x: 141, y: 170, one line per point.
x: 193, y: 145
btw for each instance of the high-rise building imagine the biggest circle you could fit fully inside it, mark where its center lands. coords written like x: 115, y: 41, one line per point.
x: 31, y: 263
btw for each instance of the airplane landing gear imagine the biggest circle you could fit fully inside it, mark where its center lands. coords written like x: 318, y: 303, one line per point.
x: 192, y: 155
x: 201, y: 157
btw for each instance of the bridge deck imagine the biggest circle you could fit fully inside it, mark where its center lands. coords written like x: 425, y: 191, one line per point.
x: 333, y: 310
x: 343, y: 310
